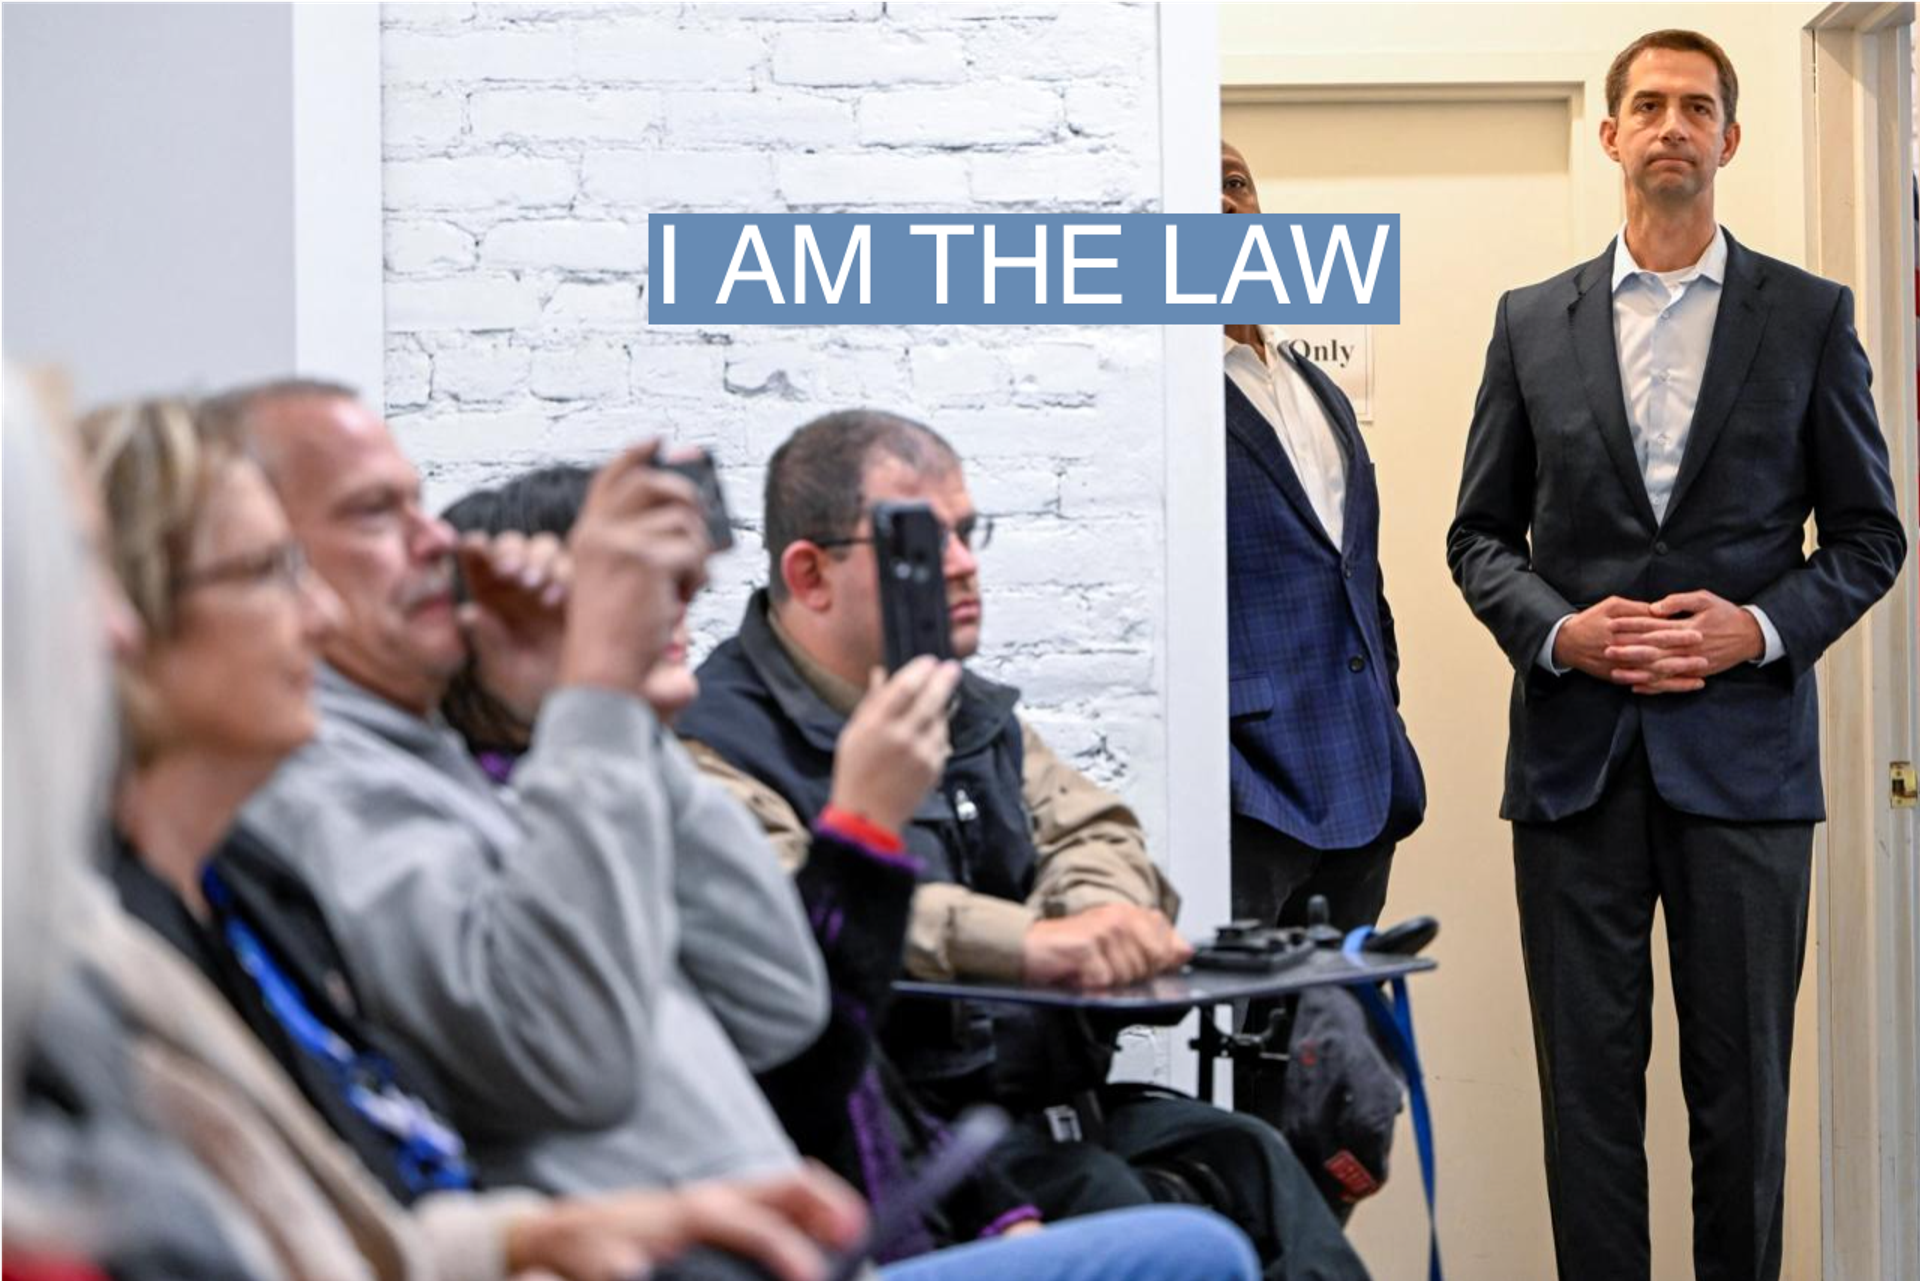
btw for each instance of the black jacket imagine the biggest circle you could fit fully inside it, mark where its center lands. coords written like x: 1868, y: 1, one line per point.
x: 758, y: 712
x: 280, y: 911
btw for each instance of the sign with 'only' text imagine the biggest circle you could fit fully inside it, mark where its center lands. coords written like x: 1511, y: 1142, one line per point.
x: 1023, y: 269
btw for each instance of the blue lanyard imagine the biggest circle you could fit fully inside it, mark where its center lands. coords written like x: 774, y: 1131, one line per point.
x: 1394, y: 1018
x: 431, y: 1155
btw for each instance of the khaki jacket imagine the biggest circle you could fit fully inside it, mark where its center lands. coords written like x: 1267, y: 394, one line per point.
x: 1090, y: 847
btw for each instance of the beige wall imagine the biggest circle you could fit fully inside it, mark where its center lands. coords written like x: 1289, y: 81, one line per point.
x: 1473, y: 1019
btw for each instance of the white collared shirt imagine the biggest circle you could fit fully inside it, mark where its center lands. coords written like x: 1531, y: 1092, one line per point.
x: 1662, y: 329
x: 1284, y: 398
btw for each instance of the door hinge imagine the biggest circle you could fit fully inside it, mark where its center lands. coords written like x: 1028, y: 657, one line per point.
x: 1905, y: 785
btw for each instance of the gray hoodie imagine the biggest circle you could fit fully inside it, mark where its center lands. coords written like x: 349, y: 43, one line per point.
x: 596, y: 962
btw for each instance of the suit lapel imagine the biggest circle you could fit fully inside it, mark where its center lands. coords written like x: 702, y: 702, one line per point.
x: 1247, y: 425
x: 1335, y: 405
x: 1346, y: 429
x: 1591, y: 316
x: 1736, y: 339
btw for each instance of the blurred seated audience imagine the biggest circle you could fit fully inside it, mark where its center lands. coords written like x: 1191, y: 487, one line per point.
x: 151, y: 1134
x: 203, y: 547
x: 568, y: 636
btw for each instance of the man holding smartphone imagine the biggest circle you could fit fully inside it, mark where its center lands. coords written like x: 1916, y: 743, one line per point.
x: 1028, y: 870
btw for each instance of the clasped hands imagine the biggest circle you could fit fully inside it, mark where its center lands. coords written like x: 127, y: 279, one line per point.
x: 1105, y: 946
x: 1668, y: 646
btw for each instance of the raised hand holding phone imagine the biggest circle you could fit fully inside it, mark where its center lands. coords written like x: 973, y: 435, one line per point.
x: 909, y: 545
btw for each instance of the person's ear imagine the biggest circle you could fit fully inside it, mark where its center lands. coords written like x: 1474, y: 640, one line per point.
x: 1729, y: 144
x: 1609, y: 138
x: 144, y: 724
x: 803, y: 568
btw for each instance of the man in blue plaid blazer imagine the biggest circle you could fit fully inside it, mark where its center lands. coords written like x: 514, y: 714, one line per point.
x: 1325, y: 781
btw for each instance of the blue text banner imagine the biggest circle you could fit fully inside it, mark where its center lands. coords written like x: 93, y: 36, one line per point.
x: 893, y: 269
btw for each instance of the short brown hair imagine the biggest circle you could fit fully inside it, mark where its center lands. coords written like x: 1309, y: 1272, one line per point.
x: 815, y: 481
x: 1683, y: 42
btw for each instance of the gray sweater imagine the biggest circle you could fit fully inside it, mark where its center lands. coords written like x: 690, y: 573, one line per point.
x: 596, y: 962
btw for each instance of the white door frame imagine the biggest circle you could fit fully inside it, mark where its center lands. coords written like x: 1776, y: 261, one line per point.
x: 1192, y: 653
x: 1858, y: 66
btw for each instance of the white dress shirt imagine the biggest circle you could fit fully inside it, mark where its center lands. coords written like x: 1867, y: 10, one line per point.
x: 1662, y: 327
x: 1281, y: 393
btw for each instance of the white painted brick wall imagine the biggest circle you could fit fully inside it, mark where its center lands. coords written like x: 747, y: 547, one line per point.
x: 703, y: 181
x: 566, y: 244
x: 761, y: 118
x: 427, y: 248
x: 866, y: 55
x: 594, y: 371
x: 662, y: 53
x: 560, y: 115
x: 900, y: 182
x: 501, y: 54
x: 576, y: 304
x: 964, y: 116
x: 488, y: 369
x: 525, y: 145
x: 477, y: 180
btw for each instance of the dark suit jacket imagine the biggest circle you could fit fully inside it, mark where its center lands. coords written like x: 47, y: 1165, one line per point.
x: 1784, y: 428
x: 1318, y: 747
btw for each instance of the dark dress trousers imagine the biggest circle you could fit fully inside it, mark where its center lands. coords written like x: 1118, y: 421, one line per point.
x: 1703, y: 802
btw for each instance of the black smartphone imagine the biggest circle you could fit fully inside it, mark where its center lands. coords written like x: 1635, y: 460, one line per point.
x: 974, y: 1135
x: 908, y: 542
x: 705, y: 475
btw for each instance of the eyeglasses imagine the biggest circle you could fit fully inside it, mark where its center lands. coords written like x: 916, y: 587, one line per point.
x: 975, y: 533
x: 284, y: 564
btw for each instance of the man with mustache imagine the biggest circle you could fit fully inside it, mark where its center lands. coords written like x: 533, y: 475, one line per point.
x: 1028, y: 871
x: 1653, y: 430
x: 597, y: 962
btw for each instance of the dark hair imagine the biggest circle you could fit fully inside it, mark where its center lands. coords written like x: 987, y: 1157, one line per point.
x: 815, y: 481
x: 544, y: 501
x: 1683, y: 42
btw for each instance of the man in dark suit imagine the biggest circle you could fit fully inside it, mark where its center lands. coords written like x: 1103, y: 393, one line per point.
x: 1661, y: 421
x: 1324, y: 779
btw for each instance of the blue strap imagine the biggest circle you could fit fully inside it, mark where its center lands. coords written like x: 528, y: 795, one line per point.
x: 430, y: 1156
x: 1395, y: 1021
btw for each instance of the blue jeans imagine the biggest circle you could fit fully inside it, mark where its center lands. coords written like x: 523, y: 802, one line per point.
x: 1151, y: 1243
